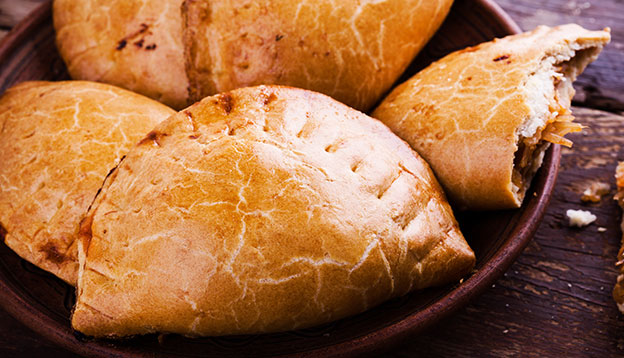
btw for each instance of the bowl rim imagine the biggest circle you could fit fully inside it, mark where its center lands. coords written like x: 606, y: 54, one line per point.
x: 393, y: 334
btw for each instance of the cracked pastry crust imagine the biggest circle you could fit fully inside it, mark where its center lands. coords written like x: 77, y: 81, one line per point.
x: 483, y: 117
x: 350, y: 50
x: 618, y: 290
x: 260, y: 210
x: 58, y: 140
x: 135, y: 44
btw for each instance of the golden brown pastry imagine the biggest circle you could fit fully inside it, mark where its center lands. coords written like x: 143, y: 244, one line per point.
x: 259, y: 210
x: 135, y: 44
x: 58, y: 140
x: 482, y: 117
x: 180, y: 51
x: 618, y: 290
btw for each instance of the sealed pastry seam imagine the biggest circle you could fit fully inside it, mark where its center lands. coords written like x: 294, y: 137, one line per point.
x: 180, y: 51
x: 58, y: 141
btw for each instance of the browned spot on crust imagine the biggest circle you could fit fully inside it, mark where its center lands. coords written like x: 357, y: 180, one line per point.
x: 153, y: 137
x: 189, y: 116
x: 150, y: 47
x: 121, y: 44
x: 193, y: 136
x: 84, y: 232
x: 226, y: 102
x: 270, y: 98
x: 426, y: 109
x: 139, y: 43
x: 53, y: 254
x: 278, y: 37
x: 469, y: 78
x: 500, y: 58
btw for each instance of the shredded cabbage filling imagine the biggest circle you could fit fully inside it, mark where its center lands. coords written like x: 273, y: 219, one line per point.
x: 528, y: 157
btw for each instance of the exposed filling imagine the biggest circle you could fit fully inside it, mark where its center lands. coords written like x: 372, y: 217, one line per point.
x: 549, y: 93
x: 530, y: 153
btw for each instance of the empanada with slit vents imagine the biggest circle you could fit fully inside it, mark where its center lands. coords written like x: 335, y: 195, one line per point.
x: 259, y: 210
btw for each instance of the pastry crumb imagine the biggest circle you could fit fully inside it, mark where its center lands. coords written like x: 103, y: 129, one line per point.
x: 595, y: 192
x: 602, y: 229
x: 580, y: 218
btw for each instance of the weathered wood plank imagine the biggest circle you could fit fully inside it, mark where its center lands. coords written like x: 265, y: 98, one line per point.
x: 556, y: 299
x: 602, y: 84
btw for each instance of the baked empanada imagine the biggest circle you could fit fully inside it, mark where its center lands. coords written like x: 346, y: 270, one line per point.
x: 134, y: 44
x: 180, y: 51
x: 260, y: 210
x: 482, y: 117
x: 58, y: 140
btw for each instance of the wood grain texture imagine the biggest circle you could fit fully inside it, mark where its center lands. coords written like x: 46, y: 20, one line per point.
x: 602, y: 84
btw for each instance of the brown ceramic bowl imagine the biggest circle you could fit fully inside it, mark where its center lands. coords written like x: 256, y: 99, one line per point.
x: 44, y: 303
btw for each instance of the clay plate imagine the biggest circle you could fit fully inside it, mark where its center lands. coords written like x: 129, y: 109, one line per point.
x: 44, y: 303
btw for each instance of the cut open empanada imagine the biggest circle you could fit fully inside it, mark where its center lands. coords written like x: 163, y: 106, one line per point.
x: 483, y: 117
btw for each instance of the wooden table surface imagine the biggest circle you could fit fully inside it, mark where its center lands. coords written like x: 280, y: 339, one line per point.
x: 555, y: 300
